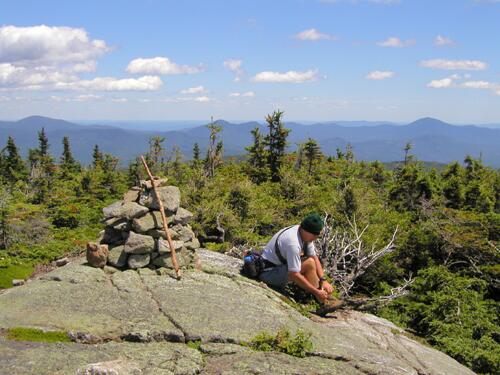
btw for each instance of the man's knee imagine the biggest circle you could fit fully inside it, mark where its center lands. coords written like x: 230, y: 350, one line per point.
x: 308, y: 264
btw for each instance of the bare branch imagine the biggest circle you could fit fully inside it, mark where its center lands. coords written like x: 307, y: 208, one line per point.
x: 345, y: 256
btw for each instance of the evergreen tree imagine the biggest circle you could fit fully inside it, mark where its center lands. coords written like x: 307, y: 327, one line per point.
x: 214, y: 151
x: 276, y: 143
x: 13, y: 166
x: 134, y: 173
x: 453, y: 187
x: 349, y: 153
x: 257, y: 157
x: 409, y: 187
x: 312, y: 153
x: 68, y: 162
x: 349, y: 204
x: 377, y: 173
x: 156, y: 154
x: 97, y: 157
x: 340, y: 154
x: 408, y: 156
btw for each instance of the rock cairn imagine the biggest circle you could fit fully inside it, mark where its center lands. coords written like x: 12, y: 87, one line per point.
x: 134, y: 230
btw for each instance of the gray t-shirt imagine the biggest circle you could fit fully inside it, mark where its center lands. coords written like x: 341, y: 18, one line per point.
x: 291, y: 247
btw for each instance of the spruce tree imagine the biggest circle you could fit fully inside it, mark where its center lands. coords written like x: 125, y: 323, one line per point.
x: 453, y: 187
x: 68, y: 162
x: 214, y: 151
x: 312, y: 153
x: 276, y: 143
x: 257, y: 157
x: 13, y: 166
x: 97, y: 157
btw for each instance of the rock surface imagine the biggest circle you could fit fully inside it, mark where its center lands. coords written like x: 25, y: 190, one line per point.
x: 141, y: 321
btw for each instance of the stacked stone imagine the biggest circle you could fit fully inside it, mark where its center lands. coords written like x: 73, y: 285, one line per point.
x: 134, y: 229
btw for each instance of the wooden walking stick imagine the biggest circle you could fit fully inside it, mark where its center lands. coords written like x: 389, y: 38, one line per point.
x: 164, y: 220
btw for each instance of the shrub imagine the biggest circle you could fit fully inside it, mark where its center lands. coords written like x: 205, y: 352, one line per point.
x: 283, y: 342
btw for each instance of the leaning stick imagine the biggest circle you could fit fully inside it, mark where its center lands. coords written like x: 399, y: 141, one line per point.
x: 164, y: 220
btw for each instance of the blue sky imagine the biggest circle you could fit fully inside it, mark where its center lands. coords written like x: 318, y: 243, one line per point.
x: 316, y: 60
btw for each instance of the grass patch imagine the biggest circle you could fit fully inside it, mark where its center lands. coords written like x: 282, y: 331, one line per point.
x: 36, y: 335
x: 14, y: 271
x: 194, y: 344
x: 297, y: 346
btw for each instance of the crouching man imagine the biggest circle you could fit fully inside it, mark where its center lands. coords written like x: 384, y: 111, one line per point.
x: 290, y: 256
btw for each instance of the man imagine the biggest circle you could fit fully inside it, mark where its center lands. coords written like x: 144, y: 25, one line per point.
x: 290, y: 255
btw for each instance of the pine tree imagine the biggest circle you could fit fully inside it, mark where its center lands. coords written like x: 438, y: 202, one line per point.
x: 214, y: 151
x: 97, y: 157
x: 408, y: 156
x: 257, y: 157
x: 276, y: 143
x: 349, y: 153
x: 453, y: 187
x: 68, y: 162
x: 312, y: 153
x: 13, y: 166
x: 156, y: 153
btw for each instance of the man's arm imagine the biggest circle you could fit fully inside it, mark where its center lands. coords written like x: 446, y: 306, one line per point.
x: 325, y: 285
x: 302, y: 282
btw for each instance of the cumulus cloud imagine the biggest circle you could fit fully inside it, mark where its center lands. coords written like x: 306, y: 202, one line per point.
x: 454, y: 64
x: 379, y: 75
x: 194, y: 90
x: 288, y: 77
x: 479, y: 85
x: 235, y: 66
x: 48, y: 45
x: 247, y: 94
x: 160, y: 65
x: 314, y: 35
x: 396, y: 42
x: 444, y: 82
x: 146, y: 83
x: 441, y: 41
x: 440, y: 83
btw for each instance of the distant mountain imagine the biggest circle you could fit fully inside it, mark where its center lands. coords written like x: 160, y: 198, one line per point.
x: 432, y: 139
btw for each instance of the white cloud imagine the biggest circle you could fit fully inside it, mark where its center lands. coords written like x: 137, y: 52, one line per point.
x: 378, y: 75
x: 454, y: 64
x: 248, y: 94
x: 85, y: 67
x: 440, y: 83
x: 4, y: 99
x: 194, y: 90
x: 146, y: 83
x: 443, y: 41
x: 444, y: 83
x: 48, y: 45
x: 236, y: 67
x: 314, y: 35
x: 119, y: 100
x: 288, y: 77
x: 396, y: 42
x: 160, y: 65
x: 202, y: 99
x: 479, y: 85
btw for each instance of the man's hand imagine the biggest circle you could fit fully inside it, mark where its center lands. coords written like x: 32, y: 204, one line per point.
x: 326, y: 286
x: 321, y: 295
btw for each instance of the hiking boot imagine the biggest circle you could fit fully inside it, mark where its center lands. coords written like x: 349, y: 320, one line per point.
x: 329, y: 306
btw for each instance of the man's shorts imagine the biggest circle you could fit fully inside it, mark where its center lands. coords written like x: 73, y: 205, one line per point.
x: 276, y: 277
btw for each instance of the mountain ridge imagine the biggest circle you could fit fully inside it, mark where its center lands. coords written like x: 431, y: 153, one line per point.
x: 432, y: 139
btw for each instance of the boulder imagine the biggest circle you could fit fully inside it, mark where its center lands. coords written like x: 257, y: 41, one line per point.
x: 97, y: 255
x: 139, y: 244
x: 112, y: 210
x: 138, y: 260
x: 152, y: 220
x: 186, y: 234
x: 132, y: 195
x: 130, y: 210
x: 169, y: 195
x: 117, y: 256
x: 182, y: 216
x: 156, y: 233
x: 163, y: 247
x: 145, y: 320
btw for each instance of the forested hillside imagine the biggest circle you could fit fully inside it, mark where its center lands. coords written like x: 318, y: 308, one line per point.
x: 448, y: 222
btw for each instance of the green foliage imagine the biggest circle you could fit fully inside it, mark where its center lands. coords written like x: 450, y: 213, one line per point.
x: 276, y: 143
x: 194, y: 344
x: 9, y: 271
x: 297, y: 346
x: 451, y: 312
x: 36, y: 335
